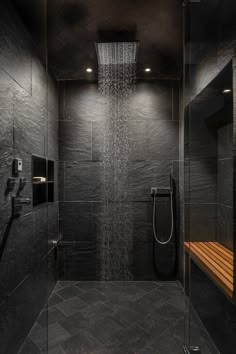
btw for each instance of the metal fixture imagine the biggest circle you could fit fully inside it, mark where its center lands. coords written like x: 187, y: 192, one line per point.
x: 154, y: 192
x: 17, y: 166
x: 191, y: 350
x: 116, y: 52
x: 22, y: 184
x: 227, y: 91
x: 17, y: 204
x: 55, y: 243
x: 39, y: 179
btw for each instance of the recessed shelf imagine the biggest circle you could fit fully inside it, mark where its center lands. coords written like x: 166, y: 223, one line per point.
x: 42, y: 180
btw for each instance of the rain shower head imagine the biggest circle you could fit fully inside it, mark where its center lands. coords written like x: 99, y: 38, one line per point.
x: 116, y: 52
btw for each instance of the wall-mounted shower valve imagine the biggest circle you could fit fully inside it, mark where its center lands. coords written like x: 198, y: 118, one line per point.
x: 154, y: 191
x: 190, y: 350
x: 22, y: 184
x: 17, y: 204
x: 11, y: 182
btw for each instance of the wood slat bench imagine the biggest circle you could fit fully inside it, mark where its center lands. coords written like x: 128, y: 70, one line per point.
x: 216, y: 260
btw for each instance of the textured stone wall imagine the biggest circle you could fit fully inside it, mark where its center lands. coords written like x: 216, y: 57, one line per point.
x: 28, y: 125
x: 210, y: 47
x: 225, y: 182
x: 208, y: 163
x: 201, y: 150
x: 154, y: 144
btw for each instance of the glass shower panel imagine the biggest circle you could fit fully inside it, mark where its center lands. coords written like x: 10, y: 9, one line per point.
x: 208, y: 155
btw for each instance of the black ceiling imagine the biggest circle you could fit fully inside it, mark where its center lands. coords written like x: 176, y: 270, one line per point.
x: 75, y: 25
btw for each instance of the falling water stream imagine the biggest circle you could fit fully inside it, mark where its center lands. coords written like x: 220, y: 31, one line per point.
x: 116, y: 84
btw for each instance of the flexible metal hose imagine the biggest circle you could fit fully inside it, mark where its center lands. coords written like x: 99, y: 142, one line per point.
x: 154, y: 220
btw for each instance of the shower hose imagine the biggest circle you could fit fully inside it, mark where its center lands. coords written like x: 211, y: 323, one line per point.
x: 154, y: 220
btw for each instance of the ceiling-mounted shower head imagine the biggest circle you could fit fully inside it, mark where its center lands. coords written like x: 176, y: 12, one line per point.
x: 116, y: 52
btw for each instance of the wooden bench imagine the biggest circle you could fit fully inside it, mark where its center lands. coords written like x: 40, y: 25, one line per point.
x: 216, y: 260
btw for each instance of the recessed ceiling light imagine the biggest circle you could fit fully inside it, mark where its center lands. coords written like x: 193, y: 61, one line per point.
x: 227, y: 91
x: 89, y: 70
x: 147, y: 70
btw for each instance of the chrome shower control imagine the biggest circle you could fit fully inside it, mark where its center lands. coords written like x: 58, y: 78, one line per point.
x: 154, y: 190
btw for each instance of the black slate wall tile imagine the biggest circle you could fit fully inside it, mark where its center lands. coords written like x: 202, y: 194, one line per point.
x: 153, y: 101
x: 77, y: 261
x: 27, y: 243
x: 53, y: 223
x: 6, y: 110
x: 203, y: 181
x: 154, y: 146
x: 61, y: 99
x: 225, y: 181
x: 142, y: 221
x: 162, y: 140
x: 225, y: 141
x: 137, y: 140
x: 75, y: 139
x: 83, y: 102
x: 29, y: 134
x: 203, y: 140
x: 98, y: 136
x: 144, y: 175
x: 16, y: 320
x: 78, y: 221
x: 212, y: 305
x: 165, y: 259
x: 24, y: 98
x: 39, y: 82
x: 53, y: 95
x: 15, y: 47
x: 216, y: 311
x: 201, y: 222
x: 40, y: 240
x: 56, y: 180
x: 16, y: 260
x: 142, y: 261
x: 61, y: 180
x: 225, y: 225
x: 82, y: 181
x: 114, y: 234
x: 52, y: 130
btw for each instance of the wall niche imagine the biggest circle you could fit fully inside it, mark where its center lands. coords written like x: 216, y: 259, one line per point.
x: 42, y: 180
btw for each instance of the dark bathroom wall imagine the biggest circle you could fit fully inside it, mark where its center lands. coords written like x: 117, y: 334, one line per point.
x: 210, y: 47
x: 225, y: 183
x: 210, y: 33
x: 209, y: 205
x: 201, y: 153
x: 28, y: 121
x: 154, y: 143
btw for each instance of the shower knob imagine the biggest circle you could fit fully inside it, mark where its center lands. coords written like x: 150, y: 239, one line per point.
x: 154, y: 191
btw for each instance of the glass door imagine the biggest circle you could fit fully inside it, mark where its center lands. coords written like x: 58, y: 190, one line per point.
x: 209, y: 47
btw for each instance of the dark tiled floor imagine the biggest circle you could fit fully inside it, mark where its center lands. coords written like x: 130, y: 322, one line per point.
x: 112, y: 318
